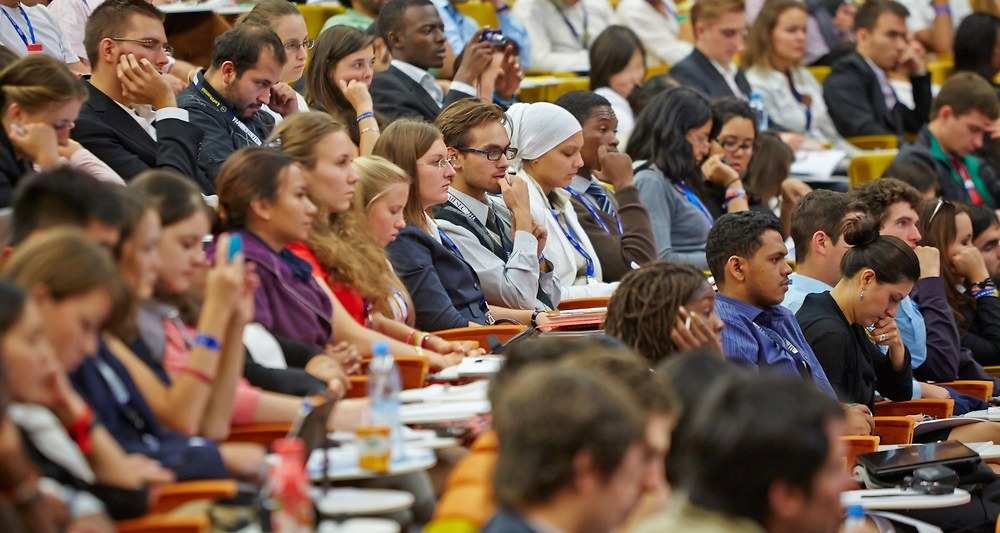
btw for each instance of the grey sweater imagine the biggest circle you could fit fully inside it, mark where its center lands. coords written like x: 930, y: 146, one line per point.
x: 680, y: 228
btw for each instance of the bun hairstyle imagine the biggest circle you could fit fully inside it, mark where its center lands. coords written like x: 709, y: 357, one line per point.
x: 890, y: 258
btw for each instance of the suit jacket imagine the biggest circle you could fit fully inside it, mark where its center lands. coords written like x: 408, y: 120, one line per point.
x: 105, y: 129
x: 856, y: 104
x: 697, y: 71
x: 11, y: 169
x: 445, y: 289
x: 396, y: 95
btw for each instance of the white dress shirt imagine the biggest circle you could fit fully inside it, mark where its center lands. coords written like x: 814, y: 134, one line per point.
x: 729, y: 74
x: 659, y: 33
x: 145, y: 116
x: 425, y: 80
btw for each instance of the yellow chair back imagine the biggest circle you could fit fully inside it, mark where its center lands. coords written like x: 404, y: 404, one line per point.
x: 485, y: 13
x: 868, y: 167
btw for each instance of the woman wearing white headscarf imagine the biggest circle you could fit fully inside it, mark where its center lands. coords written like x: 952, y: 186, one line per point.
x: 549, y: 139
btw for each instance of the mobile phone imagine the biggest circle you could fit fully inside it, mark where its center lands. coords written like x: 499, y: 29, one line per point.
x: 235, y: 246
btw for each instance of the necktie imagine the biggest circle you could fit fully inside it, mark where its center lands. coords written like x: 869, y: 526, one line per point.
x: 600, y: 195
x: 493, y: 225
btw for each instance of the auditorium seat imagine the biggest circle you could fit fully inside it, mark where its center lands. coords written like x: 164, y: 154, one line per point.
x: 481, y: 334
x: 875, y: 142
x: 867, y: 167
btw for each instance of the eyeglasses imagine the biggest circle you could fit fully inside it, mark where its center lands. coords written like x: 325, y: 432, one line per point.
x: 443, y: 162
x: 493, y: 154
x: 733, y: 145
x: 151, y: 44
x: 307, y: 44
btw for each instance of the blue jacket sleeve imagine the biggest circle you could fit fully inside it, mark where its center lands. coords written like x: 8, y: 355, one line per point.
x: 414, y: 264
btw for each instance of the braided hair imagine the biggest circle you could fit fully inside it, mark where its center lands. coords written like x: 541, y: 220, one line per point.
x: 643, y: 309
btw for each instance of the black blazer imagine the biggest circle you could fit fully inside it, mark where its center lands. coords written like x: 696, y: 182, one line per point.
x: 396, y: 95
x: 857, y: 106
x: 105, y: 129
x: 696, y: 71
x: 854, y: 364
x: 445, y: 289
x: 11, y: 169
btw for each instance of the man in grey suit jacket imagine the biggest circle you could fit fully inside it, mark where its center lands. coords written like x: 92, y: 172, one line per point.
x: 414, y: 33
x: 718, y: 28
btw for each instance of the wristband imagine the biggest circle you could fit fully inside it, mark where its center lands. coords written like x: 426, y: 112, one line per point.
x: 366, y: 114
x: 207, y: 342
x: 942, y: 9
x: 534, y: 318
x: 366, y: 130
x: 197, y: 374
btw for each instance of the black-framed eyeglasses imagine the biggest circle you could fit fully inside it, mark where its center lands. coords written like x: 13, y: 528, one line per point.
x: 306, y: 43
x: 152, y: 44
x: 735, y: 145
x: 493, y: 154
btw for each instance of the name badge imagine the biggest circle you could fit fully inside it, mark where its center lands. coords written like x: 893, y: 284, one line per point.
x: 35, y: 48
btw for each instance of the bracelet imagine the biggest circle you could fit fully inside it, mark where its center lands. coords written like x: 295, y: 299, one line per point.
x: 534, y: 318
x: 942, y: 9
x: 369, y: 128
x: 731, y: 182
x: 366, y: 114
x: 207, y: 342
x: 197, y: 374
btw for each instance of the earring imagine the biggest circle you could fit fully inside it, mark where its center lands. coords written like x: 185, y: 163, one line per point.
x: 862, y: 295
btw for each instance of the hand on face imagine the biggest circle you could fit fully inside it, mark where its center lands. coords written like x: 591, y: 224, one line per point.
x: 930, y: 261
x: 142, y: 83
x: 969, y: 263
x: 515, y: 197
x: 356, y: 93
x: 38, y: 141
x: 717, y: 172
x: 691, y: 331
x: 616, y: 167
x: 283, y: 101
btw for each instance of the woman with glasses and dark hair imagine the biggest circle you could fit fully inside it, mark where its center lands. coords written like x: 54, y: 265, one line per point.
x: 287, y: 22
x: 971, y: 290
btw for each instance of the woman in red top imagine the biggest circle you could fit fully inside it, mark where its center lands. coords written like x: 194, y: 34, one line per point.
x: 345, y: 257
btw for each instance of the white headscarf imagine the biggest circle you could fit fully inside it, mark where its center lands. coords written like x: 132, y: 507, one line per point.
x: 537, y: 128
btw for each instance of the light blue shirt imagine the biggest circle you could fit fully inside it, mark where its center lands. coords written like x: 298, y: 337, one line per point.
x: 914, y: 333
x: 801, y: 287
x: 459, y: 28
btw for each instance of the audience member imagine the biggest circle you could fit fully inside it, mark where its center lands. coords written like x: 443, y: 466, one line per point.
x: 746, y: 255
x: 339, y: 79
x: 794, y: 487
x: 289, y: 25
x: 617, y: 67
x: 963, y: 112
x: 414, y: 33
x: 445, y: 288
x: 325, y: 154
x: 649, y: 88
x: 774, y: 66
x: 925, y: 320
x: 858, y: 93
x: 673, y: 136
x: 562, y: 31
x: 39, y: 102
x: 226, y: 101
x: 719, y: 28
x: 664, y: 293
x: 360, y: 15
x: 30, y: 29
x: 852, y: 327
x: 497, y: 236
x: 549, y: 141
x: 131, y: 119
x: 571, y: 452
x: 972, y: 294
x: 933, y: 23
x: 986, y: 237
x: 829, y: 31
x: 917, y: 174
x: 616, y: 222
x: 972, y: 50
x: 817, y: 230
x: 459, y: 29
x: 663, y: 31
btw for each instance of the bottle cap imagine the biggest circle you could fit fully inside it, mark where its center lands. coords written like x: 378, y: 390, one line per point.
x: 380, y: 348
x: 855, y: 511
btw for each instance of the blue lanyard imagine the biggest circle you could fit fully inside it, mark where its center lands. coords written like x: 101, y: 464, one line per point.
x: 695, y: 201
x: 575, y: 241
x: 800, y: 99
x: 453, y: 248
x: 576, y: 36
x: 594, y: 214
x: 20, y: 32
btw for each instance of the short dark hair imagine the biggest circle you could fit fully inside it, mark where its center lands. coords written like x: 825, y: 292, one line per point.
x: 915, y: 172
x: 249, y: 174
x: 820, y: 210
x: 875, y: 198
x: 62, y: 197
x: 889, y: 257
x: 648, y: 389
x: 736, y: 446
x: 869, y: 12
x: 966, y: 92
x: 970, y: 52
x: 729, y: 107
x: 736, y: 234
x: 581, y: 104
x: 457, y: 119
x: 390, y: 18
x: 646, y: 90
x: 610, y: 53
x: 242, y: 46
x: 547, y: 417
x: 982, y: 218
x: 109, y: 20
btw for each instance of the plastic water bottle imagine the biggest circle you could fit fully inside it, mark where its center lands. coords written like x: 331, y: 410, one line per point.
x: 291, y: 509
x: 757, y: 105
x: 383, y: 393
x: 855, y: 521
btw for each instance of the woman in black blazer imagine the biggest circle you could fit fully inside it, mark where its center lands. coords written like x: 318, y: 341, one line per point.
x: 852, y: 328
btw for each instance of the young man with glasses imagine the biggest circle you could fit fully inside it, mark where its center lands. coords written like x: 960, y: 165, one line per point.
x: 131, y: 120
x: 614, y: 218
x: 498, y: 237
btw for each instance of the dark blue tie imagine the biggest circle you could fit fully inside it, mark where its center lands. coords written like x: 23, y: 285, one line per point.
x: 600, y: 195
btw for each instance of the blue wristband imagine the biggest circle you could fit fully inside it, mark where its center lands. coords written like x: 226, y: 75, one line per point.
x: 366, y: 114
x: 207, y: 342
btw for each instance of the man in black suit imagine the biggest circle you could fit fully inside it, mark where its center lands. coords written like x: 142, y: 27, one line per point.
x: 857, y: 92
x: 131, y: 120
x: 718, y: 28
x: 414, y: 33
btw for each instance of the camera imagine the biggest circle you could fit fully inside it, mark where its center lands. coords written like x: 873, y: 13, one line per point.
x: 496, y: 38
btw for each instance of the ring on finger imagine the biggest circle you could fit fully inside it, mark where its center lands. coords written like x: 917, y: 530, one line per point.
x: 881, y: 338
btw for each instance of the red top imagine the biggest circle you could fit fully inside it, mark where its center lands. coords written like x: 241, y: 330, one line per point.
x: 348, y: 296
